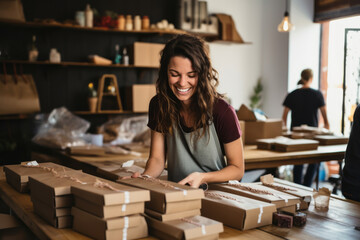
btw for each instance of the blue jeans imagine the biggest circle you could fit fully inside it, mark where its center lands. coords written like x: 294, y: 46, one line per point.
x: 309, y: 176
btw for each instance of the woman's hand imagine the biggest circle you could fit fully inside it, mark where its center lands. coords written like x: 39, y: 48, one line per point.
x: 194, y: 179
x: 134, y: 175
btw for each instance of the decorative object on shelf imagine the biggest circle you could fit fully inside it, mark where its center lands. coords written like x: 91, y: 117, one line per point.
x: 145, y: 24
x: 101, y: 93
x: 99, y: 60
x: 33, y: 52
x: 89, y: 16
x: 117, y: 57
x: 55, y: 56
x: 12, y: 10
x: 163, y: 25
x: 92, y: 99
x: 128, y: 23
x: 125, y: 57
x: 228, y: 30
x: 121, y: 22
x: 137, y: 23
x: 285, y: 25
x: 80, y: 18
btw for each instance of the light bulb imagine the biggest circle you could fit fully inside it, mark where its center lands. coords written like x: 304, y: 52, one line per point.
x: 285, y: 25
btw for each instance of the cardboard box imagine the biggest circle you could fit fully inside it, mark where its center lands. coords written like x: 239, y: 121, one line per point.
x: 12, y: 229
x: 292, y: 145
x: 55, y: 201
x: 242, y: 127
x: 51, y: 212
x: 305, y: 196
x: 167, y: 196
x: 172, y: 216
x: 147, y: 54
x: 236, y: 211
x: 119, y: 173
x: 109, y: 229
x: 48, y: 216
x: 266, y: 144
x: 258, y: 192
x: 110, y: 211
x: 120, y: 194
x: 18, y: 175
x: 246, y: 114
x: 88, y: 150
x: 331, y: 140
x: 197, y: 227
x: 255, y: 130
x: 138, y: 97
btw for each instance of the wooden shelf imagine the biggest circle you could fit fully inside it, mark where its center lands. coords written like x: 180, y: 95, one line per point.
x: 82, y: 64
x: 95, y: 29
x: 105, y: 112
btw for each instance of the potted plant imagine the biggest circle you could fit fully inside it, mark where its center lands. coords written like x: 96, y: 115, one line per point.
x: 92, y: 97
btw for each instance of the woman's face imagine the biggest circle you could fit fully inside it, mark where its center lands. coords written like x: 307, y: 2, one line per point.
x: 182, y: 78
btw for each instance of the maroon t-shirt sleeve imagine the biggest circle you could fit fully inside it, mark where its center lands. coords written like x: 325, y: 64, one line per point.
x: 226, y: 122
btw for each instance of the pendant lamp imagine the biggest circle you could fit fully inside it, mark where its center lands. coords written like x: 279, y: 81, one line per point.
x: 285, y: 25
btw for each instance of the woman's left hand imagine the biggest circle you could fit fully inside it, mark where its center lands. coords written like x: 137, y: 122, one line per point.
x: 194, y: 179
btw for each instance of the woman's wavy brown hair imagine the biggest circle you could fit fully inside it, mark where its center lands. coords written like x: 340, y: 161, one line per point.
x: 195, y: 49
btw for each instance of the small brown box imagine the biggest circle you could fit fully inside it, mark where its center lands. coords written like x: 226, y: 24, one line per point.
x: 147, y: 54
x: 138, y: 97
x: 255, y: 130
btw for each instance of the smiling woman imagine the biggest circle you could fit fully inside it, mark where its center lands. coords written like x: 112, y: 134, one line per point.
x: 193, y: 128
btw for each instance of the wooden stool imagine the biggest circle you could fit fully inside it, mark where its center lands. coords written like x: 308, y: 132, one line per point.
x: 101, y: 93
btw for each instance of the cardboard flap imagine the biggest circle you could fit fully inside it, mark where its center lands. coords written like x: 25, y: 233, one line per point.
x: 245, y: 114
x: 173, y: 192
x: 119, y: 193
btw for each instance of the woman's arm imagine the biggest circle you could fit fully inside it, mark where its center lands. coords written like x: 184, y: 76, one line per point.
x: 284, y: 116
x: 324, y: 115
x: 156, y: 162
x: 233, y: 171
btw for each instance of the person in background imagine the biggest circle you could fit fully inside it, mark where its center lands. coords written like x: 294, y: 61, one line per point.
x: 304, y: 104
x: 350, y: 183
x: 192, y: 127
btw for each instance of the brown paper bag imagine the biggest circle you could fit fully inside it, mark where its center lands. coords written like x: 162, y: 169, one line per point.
x: 18, y: 94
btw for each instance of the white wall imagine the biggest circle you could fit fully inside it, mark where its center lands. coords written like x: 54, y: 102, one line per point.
x: 241, y: 65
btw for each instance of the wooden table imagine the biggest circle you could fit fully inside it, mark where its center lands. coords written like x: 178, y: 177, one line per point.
x: 337, y: 223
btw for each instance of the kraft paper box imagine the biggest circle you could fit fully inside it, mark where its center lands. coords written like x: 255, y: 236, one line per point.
x: 305, y: 196
x: 54, y: 201
x: 268, y: 128
x: 48, y: 216
x: 11, y: 228
x: 86, y: 150
x: 53, y: 212
x: 138, y: 97
x: 172, y: 216
x: 110, y: 211
x: 131, y: 227
x: 331, y: 140
x: 18, y: 175
x: 266, y: 143
x: 197, y: 227
x: 258, y: 192
x: 119, y: 194
x: 236, y: 211
x: 117, y: 174
x: 147, y: 54
x: 167, y: 196
x: 292, y: 145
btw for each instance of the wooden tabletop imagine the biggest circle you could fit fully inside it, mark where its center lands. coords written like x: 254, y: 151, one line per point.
x: 337, y: 223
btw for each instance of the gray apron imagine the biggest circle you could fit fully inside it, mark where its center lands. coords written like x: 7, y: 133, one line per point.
x: 185, y: 157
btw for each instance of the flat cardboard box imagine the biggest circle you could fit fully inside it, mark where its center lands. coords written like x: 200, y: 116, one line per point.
x: 236, y: 211
x: 265, y: 144
x: 119, y: 173
x: 288, y: 209
x: 167, y: 196
x: 48, y: 216
x: 88, y: 150
x: 255, y: 130
x: 108, y: 224
x: 305, y: 196
x: 197, y: 227
x: 280, y: 199
x: 147, y: 54
x: 172, y: 216
x: 120, y: 194
x: 107, y: 230
x: 54, y: 201
x: 12, y: 229
x: 53, y: 212
x: 18, y: 175
x: 110, y: 211
x: 331, y: 139
x: 293, y: 145
x: 138, y: 97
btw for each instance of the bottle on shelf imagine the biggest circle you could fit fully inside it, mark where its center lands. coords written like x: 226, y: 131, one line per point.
x: 129, y: 23
x: 33, y: 52
x: 145, y: 22
x: 125, y: 57
x: 80, y: 18
x: 54, y: 56
x: 137, y: 23
x: 89, y: 16
x: 121, y: 22
x: 117, y: 58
